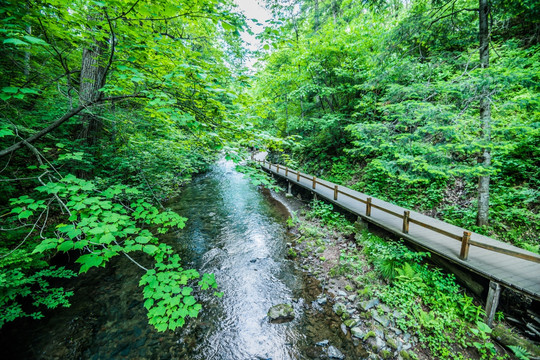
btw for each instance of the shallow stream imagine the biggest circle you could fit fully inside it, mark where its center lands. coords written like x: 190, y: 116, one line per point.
x: 234, y: 231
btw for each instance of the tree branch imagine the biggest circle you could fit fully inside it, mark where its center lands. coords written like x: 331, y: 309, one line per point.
x: 113, y: 47
x: 451, y: 14
x: 62, y: 120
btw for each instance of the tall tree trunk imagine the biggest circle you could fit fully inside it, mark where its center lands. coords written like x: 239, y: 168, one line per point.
x: 316, y: 20
x: 92, y: 79
x: 485, y: 116
x: 27, y: 58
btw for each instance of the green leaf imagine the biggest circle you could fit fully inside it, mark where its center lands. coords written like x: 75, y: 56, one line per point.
x: 10, y: 90
x: 186, y: 290
x: 35, y: 40
x: 148, y: 303
x: 25, y: 214
x: 6, y: 131
x: 107, y: 238
x: 189, y: 300
x: 150, y: 249
x: 15, y: 41
x: 66, y: 246
x: 88, y: 261
x: 227, y: 26
x: 29, y: 91
x: 46, y: 244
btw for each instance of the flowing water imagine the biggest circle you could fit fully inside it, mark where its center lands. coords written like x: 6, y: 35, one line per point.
x: 233, y: 231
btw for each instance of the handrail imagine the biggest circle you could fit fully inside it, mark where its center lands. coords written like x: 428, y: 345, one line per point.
x: 465, y: 238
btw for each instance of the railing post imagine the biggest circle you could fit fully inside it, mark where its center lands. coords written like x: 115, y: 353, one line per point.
x: 298, y: 176
x: 335, y: 192
x: 269, y: 166
x: 368, y: 206
x: 314, y: 182
x: 277, y: 167
x: 492, y: 302
x: 287, y: 171
x: 464, y: 254
x: 406, y: 215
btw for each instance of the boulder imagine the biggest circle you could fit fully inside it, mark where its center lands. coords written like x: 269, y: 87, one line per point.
x: 281, y: 313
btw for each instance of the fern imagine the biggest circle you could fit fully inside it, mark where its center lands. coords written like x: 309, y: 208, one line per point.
x: 520, y: 352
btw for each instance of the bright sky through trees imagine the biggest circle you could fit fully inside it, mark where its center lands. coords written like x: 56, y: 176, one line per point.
x: 252, y: 9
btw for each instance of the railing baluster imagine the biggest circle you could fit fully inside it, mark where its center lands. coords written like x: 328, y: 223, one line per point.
x: 287, y: 171
x: 335, y: 192
x: 464, y: 254
x: 277, y: 168
x: 406, y: 215
x: 298, y: 176
x: 314, y: 182
x: 368, y: 206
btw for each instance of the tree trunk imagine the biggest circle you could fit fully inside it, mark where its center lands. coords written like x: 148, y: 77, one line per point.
x: 485, y: 117
x: 27, y: 58
x: 316, y: 20
x: 92, y: 79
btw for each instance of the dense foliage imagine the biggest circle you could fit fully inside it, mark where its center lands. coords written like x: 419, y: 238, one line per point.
x: 424, y: 300
x: 106, y: 109
x: 385, y: 96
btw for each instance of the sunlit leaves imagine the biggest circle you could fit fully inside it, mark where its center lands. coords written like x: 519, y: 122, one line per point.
x: 100, y: 227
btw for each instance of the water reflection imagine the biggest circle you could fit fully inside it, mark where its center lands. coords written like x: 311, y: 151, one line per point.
x: 232, y: 231
x: 245, y: 248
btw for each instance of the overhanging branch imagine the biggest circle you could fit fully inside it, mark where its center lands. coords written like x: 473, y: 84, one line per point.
x: 62, y: 120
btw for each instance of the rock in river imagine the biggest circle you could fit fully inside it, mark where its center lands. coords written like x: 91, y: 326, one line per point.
x: 281, y: 313
x: 334, y: 353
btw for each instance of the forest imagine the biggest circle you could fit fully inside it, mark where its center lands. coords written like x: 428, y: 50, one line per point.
x: 109, y: 108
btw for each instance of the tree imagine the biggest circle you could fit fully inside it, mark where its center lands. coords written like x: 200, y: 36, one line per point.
x: 482, y: 218
x: 135, y: 95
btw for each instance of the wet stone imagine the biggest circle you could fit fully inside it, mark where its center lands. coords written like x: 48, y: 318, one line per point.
x: 357, y: 332
x: 379, y: 343
x: 344, y: 329
x: 379, y: 333
x: 281, y: 313
x: 366, y: 305
x: 334, y: 353
x: 381, y: 319
x: 339, y: 309
x: 322, y: 343
x: 350, y: 322
x: 315, y: 306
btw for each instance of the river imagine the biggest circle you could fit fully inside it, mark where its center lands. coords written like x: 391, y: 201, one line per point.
x: 234, y: 231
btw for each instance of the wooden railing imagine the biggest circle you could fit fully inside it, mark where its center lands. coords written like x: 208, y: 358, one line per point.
x: 464, y: 238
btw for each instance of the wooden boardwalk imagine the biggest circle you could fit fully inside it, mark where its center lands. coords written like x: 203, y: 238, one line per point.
x: 521, y: 274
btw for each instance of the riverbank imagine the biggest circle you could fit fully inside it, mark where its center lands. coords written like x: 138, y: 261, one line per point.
x: 391, y: 302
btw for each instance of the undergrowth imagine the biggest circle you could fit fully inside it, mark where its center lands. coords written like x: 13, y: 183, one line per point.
x: 428, y: 302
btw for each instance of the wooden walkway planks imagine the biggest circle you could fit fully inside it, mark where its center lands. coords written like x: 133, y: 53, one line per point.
x: 519, y: 274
